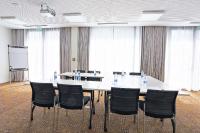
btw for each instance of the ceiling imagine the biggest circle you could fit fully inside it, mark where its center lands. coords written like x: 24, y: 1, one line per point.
x: 177, y: 12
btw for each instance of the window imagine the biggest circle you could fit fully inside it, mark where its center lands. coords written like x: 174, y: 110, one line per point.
x: 114, y: 49
x: 43, y: 52
x: 182, y: 66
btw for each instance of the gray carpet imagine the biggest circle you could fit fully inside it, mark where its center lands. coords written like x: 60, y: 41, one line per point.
x: 15, y: 116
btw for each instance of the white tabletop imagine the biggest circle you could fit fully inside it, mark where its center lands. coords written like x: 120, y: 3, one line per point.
x: 72, y: 74
x: 134, y: 82
x: 86, y: 85
x: 122, y: 82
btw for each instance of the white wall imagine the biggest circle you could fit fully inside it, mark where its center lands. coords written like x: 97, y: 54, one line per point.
x: 74, y: 44
x: 5, y: 39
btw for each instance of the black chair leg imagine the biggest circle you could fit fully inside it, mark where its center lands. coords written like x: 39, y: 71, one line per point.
x: 91, y: 112
x: 173, y: 124
x: 93, y: 106
x: 106, y: 110
x: 162, y: 121
x: 32, y: 109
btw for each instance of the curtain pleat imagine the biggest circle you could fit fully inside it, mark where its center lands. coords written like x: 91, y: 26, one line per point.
x: 83, y: 48
x: 17, y: 40
x: 153, y: 51
x: 65, y: 49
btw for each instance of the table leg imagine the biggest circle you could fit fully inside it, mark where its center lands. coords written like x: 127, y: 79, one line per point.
x: 106, y: 111
x: 93, y: 106
x: 98, y: 96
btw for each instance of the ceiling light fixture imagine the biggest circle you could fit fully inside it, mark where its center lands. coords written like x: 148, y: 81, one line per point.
x: 112, y: 23
x: 195, y: 22
x: 151, y: 15
x: 75, y: 17
x: 11, y: 20
x: 29, y: 26
x: 46, y: 11
x: 14, y: 4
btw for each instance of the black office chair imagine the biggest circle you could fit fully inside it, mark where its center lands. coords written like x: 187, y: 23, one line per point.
x: 81, y: 71
x: 125, y: 102
x: 43, y: 95
x: 118, y: 73
x: 93, y: 78
x: 160, y: 104
x: 135, y: 73
x: 71, y: 97
x: 93, y: 72
x: 66, y: 77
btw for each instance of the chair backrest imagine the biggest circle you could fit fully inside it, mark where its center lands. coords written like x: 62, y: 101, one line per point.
x: 43, y: 94
x: 135, y: 73
x: 160, y: 103
x: 81, y: 71
x: 93, y: 79
x: 118, y: 73
x: 70, y: 96
x: 93, y: 72
x: 124, y: 101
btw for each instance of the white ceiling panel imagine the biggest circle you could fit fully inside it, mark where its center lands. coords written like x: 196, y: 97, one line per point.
x: 177, y: 12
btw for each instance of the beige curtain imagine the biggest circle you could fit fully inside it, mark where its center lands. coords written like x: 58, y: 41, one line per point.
x: 83, y: 48
x: 17, y: 40
x: 65, y: 49
x: 153, y: 51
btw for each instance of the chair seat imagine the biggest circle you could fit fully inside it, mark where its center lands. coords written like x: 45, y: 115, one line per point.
x: 154, y: 115
x: 88, y: 91
x: 86, y: 99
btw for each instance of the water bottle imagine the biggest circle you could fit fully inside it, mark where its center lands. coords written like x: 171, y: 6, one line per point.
x: 142, y: 77
x: 95, y: 73
x: 55, y: 76
x: 79, y: 76
x: 115, y: 77
x: 144, y: 82
x: 142, y: 74
x: 75, y: 75
x: 145, y: 79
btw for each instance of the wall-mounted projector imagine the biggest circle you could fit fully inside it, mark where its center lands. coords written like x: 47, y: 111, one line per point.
x: 46, y: 11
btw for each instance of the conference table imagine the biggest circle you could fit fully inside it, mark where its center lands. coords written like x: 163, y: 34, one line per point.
x: 126, y: 81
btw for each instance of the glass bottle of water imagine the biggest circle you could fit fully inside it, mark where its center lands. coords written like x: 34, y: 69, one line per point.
x: 79, y: 76
x: 75, y: 75
x: 95, y: 73
x: 142, y: 74
x: 115, y: 78
x: 142, y: 77
x: 55, y: 76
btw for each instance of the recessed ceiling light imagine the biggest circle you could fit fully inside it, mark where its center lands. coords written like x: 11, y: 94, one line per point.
x: 196, y: 22
x: 35, y: 25
x: 112, y: 23
x: 14, y: 4
x: 75, y: 17
x: 12, y: 20
x: 151, y: 15
x: 7, y: 17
